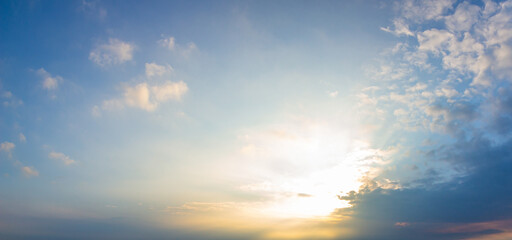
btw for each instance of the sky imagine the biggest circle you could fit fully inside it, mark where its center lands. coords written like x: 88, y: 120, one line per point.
x: 256, y: 119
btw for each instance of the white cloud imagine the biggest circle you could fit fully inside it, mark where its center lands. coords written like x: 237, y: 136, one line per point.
x: 418, y: 87
x: 29, y: 171
x: 114, y: 52
x: 418, y: 11
x: 498, y: 28
x: 22, y: 138
x: 138, y: 97
x: 333, y: 94
x: 401, y: 28
x: 184, y: 51
x: 169, y: 91
x: 49, y: 82
x: 503, y: 61
x: 447, y: 92
x: 7, y: 146
x: 434, y: 40
x: 465, y: 16
x: 168, y: 43
x: 61, y: 157
x: 147, y: 97
x: 155, y: 70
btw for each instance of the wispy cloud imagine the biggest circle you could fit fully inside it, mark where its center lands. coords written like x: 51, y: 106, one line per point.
x: 112, y: 53
x: 22, y: 138
x: 155, y: 70
x: 29, y: 171
x: 7, y: 147
x: 49, y: 82
x: 184, y: 50
x: 61, y: 157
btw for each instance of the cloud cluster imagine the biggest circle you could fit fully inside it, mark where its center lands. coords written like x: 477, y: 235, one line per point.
x: 27, y: 171
x: 147, y: 95
x: 451, y: 84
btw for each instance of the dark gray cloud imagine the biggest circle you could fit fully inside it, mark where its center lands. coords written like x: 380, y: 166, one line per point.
x: 482, y: 195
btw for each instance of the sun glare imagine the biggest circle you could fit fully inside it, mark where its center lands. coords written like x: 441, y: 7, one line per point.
x: 322, y: 163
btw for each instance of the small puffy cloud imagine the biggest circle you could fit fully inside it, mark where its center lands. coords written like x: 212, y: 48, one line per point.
x: 22, y: 138
x: 169, y: 91
x: 139, y: 97
x: 49, y: 82
x: 6, y: 94
x: 447, y: 92
x: 61, y: 157
x: 93, y: 8
x: 9, y: 100
x: 155, y: 70
x: 184, y: 51
x: 145, y: 96
x: 402, y: 224
x: 29, y: 171
x: 333, y: 94
x: 168, y: 43
x: 6, y: 146
x: 188, y: 50
x: 113, y: 52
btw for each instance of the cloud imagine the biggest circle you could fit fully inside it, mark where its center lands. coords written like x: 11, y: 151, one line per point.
x: 185, y: 51
x: 440, y: 210
x: 29, y: 171
x: 462, y: 104
x: 93, y: 8
x: 6, y: 147
x: 61, y: 157
x: 400, y: 28
x: 139, y: 97
x: 465, y: 16
x: 49, y: 82
x: 22, y: 138
x: 155, y: 70
x: 419, y: 11
x: 146, y: 97
x: 95, y: 111
x: 168, y: 43
x: 169, y: 91
x: 112, y: 53
x: 9, y: 100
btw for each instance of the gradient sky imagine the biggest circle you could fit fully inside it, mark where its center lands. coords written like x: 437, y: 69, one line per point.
x: 256, y: 120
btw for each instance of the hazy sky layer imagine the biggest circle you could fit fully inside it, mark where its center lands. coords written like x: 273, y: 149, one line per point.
x: 256, y: 120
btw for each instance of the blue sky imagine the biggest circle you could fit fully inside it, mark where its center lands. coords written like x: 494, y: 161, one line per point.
x: 255, y: 119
